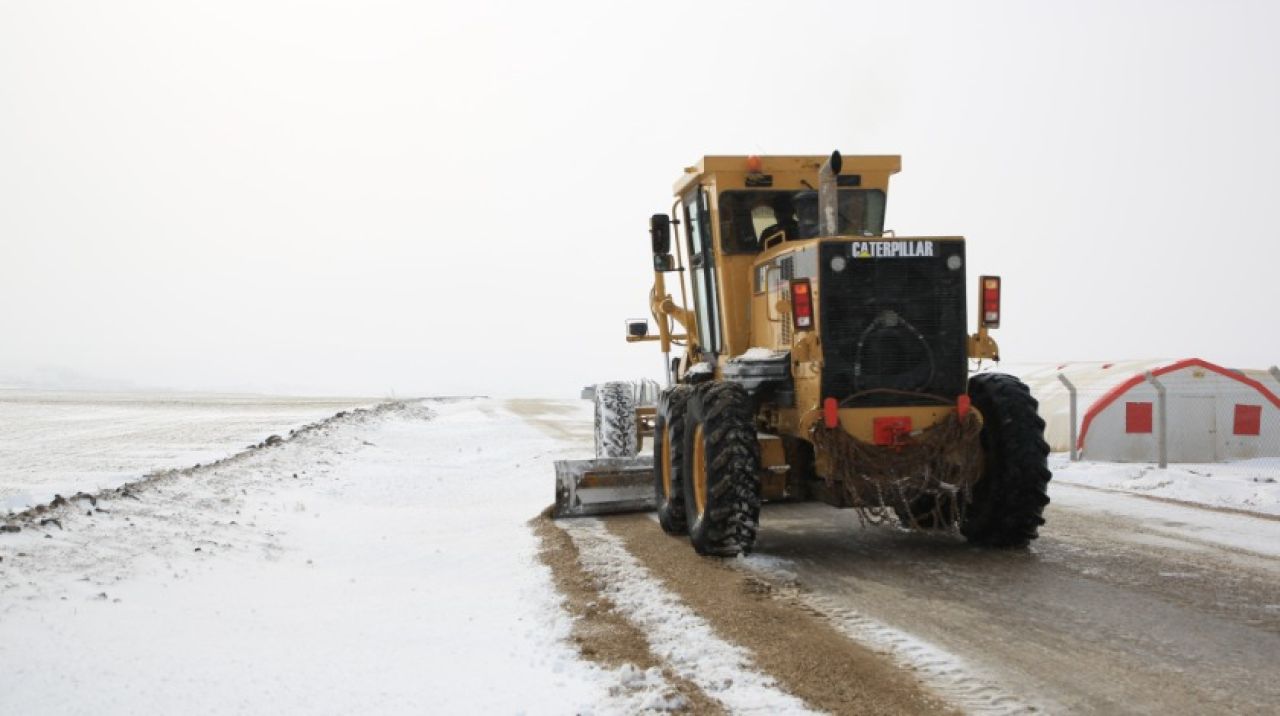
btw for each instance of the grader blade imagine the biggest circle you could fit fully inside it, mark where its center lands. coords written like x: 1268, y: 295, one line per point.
x: 604, y: 486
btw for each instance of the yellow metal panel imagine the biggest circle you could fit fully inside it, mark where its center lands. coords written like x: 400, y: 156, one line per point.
x: 699, y: 470
x: 773, y: 466
x: 773, y: 485
x: 771, y: 452
x: 735, y: 300
x: 858, y: 422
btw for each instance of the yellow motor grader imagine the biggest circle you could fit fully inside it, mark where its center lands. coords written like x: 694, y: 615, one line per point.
x: 823, y: 359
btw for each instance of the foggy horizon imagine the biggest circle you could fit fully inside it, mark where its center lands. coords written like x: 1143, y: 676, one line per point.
x: 393, y: 198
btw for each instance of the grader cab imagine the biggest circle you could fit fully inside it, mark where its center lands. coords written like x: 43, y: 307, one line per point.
x: 822, y: 358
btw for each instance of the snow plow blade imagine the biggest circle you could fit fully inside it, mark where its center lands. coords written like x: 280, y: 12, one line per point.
x: 604, y: 486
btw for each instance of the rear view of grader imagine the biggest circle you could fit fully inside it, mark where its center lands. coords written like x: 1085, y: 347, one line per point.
x: 822, y: 360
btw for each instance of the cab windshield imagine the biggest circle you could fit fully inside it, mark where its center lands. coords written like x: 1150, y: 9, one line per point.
x: 748, y: 217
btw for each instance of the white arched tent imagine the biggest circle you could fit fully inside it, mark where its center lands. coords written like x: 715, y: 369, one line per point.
x: 1214, y: 413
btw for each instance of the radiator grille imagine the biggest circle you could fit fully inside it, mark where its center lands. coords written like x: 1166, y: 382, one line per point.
x: 786, y: 272
x: 893, y: 322
x: 787, y: 268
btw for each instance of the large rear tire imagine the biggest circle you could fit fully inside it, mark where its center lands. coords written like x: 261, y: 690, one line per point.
x: 1008, y: 502
x: 721, y: 475
x: 615, y: 420
x: 668, y: 459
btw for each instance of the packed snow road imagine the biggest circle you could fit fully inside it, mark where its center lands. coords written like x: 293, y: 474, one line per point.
x: 386, y: 561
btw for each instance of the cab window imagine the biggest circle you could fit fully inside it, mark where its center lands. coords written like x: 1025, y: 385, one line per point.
x: 749, y: 217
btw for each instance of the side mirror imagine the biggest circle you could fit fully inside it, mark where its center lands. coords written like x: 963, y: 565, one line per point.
x: 637, y: 327
x: 660, y: 232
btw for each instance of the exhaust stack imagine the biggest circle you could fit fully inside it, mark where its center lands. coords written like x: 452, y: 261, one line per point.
x: 828, y: 197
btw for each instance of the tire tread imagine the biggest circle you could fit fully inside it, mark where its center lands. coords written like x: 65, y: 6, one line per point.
x: 1008, y: 502
x: 732, y: 517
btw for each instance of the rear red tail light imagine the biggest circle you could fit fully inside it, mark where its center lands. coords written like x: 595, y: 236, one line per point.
x: 801, y: 304
x: 989, y: 300
x: 830, y: 413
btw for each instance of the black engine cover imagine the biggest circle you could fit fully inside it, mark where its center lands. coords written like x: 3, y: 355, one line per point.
x: 893, y: 318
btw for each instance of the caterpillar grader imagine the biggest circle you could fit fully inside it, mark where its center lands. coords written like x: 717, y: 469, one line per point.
x: 822, y: 358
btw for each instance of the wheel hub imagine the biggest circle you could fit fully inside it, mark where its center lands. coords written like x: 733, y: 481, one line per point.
x: 666, y: 464
x: 699, y: 471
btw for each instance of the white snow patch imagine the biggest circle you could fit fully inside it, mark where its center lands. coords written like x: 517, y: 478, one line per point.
x: 685, y: 641
x: 760, y: 354
x: 1185, y: 527
x: 702, y: 368
x: 962, y: 684
x: 1251, y: 485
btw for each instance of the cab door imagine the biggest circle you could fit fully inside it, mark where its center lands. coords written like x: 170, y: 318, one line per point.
x: 702, y: 273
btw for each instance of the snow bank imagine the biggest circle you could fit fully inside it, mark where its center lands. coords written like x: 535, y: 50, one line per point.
x: 58, y: 442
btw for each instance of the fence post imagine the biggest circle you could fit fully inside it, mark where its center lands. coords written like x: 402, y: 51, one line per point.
x: 1071, y: 390
x: 1162, y: 441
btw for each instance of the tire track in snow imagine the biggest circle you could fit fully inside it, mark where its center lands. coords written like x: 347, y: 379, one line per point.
x: 675, y: 632
x: 960, y: 683
x: 609, y: 639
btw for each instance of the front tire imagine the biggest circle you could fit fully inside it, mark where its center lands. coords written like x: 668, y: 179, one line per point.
x: 1009, y: 501
x: 721, y: 475
x: 615, y: 420
x: 668, y: 459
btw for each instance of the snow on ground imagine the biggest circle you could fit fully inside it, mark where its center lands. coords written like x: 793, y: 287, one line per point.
x: 679, y: 636
x: 1172, y: 525
x: 59, y: 442
x: 1251, y: 485
x: 382, y: 564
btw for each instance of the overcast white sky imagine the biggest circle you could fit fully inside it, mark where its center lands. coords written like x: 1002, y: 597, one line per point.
x: 423, y: 198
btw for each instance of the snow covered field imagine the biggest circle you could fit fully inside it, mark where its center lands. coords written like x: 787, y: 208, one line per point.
x: 382, y: 564
x: 55, y: 442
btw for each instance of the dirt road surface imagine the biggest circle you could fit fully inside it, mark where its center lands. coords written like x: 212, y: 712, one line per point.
x: 1108, y: 612
x: 1125, y: 605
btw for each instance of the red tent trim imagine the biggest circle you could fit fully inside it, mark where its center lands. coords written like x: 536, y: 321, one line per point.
x: 1112, y: 395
